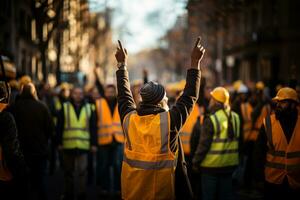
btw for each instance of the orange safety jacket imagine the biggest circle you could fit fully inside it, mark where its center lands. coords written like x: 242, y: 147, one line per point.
x: 148, y: 168
x: 246, y: 110
x: 109, y: 127
x: 5, y: 174
x: 265, y: 111
x: 283, y: 159
x: 187, y: 129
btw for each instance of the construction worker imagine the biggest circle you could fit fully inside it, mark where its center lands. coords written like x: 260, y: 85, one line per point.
x: 76, y: 137
x: 35, y: 129
x: 244, y: 108
x: 261, y: 109
x: 217, y: 154
x: 13, y: 173
x: 277, y: 148
x: 151, y: 132
x: 110, y: 140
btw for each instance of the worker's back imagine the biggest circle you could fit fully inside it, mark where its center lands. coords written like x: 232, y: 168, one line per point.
x: 148, y: 164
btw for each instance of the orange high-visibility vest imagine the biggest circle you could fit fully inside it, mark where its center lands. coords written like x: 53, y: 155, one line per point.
x: 5, y: 174
x: 246, y: 110
x: 108, y: 126
x: 148, y: 165
x: 265, y: 111
x: 283, y: 159
x: 187, y: 129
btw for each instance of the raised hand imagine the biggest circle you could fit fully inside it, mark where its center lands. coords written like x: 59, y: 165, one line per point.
x: 197, y: 54
x: 121, y: 54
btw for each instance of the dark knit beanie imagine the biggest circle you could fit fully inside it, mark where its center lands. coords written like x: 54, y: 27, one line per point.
x: 152, y: 93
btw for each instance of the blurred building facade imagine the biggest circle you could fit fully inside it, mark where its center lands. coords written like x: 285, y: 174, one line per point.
x: 45, y: 39
x: 248, y: 39
x: 17, y: 36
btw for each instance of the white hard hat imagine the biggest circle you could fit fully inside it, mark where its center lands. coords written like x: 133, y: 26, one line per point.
x: 242, y: 89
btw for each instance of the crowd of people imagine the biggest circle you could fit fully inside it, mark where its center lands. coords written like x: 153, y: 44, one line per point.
x: 150, y: 142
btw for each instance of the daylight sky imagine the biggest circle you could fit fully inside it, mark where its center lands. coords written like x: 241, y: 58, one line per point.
x: 140, y: 23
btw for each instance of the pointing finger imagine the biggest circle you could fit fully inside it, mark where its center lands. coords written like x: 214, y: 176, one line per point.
x: 197, y: 42
x: 120, y: 45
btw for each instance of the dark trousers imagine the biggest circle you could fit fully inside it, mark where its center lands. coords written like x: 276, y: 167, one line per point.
x: 217, y: 186
x: 109, y: 157
x: 7, y: 190
x: 75, y: 165
x: 248, y: 176
x: 38, y: 177
x: 282, y: 191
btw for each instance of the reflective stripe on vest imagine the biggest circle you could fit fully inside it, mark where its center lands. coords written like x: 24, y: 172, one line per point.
x: 108, y: 126
x: 5, y: 174
x: 283, y: 158
x: 187, y: 129
x: 76, y: 130
x: 148, y: 162
x: 223, y: 151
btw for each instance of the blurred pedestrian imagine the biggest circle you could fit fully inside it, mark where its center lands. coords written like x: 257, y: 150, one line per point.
x: 152, y: 130
x: 76, y: 131
x: 110, y: 140
x: 35, y: 127
x: 277, y: 149
x: 13, y: 173
x: 217, y: 154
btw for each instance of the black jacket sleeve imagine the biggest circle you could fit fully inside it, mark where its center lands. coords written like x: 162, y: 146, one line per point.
x: 100, y: 87
x: 125, y: 100
x: 260, y: 151
x: 204, y: 142
x: 184, y: 105
x: 60, y: 126
x: 11, y: 146
x: 93, y: 128
x: 195, y: 137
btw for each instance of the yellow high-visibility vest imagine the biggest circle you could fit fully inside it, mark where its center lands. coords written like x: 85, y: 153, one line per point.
x: 5, y: 174
x: 149, y: 165
x: 109, y: 127
x: 223, y: 151
x: 283, y: 158
x: 76, y: 130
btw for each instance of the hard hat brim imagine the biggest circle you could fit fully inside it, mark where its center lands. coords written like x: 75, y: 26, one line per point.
x: 276, y: 99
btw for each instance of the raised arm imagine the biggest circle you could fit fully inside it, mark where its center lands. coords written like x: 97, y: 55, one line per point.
x: 184, y: 105
x: 125, y: 100
x: 99, y: 85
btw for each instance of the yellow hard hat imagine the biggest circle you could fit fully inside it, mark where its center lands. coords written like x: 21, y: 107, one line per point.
x: 65, y: 86
x: 236, y: 84
x: 260, y: 85
x: 286, y: 93
x: 220, y: 94
x: 25, y: 80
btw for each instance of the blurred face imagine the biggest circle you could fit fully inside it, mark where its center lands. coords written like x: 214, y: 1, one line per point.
x: 95, y: 94
x: 285, y: 106
x: 77, y: 95
x: 110, y: 92
x: 212, y: 103
x: 65, y: 93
